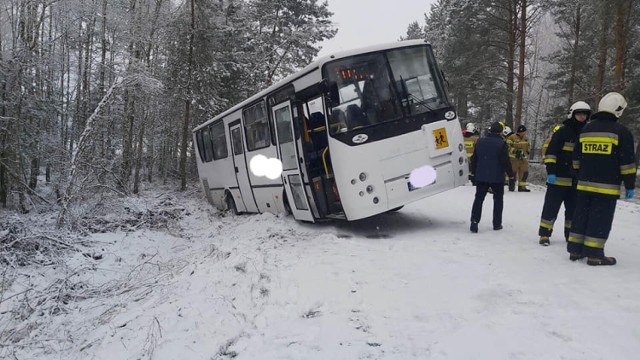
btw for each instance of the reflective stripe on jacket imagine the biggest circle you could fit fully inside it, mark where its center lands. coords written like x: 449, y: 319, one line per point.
x: 605, y: 156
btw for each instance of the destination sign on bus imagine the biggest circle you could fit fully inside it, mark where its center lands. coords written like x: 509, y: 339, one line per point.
x: 352, y: 73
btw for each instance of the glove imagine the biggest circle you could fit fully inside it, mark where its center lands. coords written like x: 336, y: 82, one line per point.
x: 629, y: 194
x: 551, y: 178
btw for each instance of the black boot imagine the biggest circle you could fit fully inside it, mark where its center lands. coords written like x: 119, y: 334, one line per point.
x: 574, y: 257
x: 523, y: 189
x: 474, y: 227
x: 602, y: 260
x: 512, y: 184
x: 544, y: 241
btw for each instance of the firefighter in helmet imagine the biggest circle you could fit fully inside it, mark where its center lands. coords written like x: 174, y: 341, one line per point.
x: 519, y: 149
x: 604, y: 158
x: 560, y: 174
x: 470, y: 138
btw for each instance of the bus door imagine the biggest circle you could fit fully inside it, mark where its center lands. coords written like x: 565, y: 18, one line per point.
x: 291, y: 173
x: 240, y: 165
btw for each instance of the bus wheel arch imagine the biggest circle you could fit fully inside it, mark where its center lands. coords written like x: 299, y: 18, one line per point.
x: 230, y: 203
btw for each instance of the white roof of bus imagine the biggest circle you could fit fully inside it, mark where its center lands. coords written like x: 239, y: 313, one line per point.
x: 317, y: 63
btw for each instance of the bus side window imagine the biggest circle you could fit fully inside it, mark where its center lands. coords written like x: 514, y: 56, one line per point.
x: 219, y: 139
x: 256, y: 123
x: 200, y: 145
x: 208, y: 146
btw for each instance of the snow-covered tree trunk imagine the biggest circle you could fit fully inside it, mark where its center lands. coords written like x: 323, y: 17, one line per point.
x: 78, y: 151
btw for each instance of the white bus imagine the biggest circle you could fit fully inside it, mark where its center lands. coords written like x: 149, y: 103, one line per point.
x: 348, y: 129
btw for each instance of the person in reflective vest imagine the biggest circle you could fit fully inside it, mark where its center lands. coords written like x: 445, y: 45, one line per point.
x: 546, y: 142
x: 519, y: 150
x: 470, y: 137
x: 560, y: 174
x: 604, y: 158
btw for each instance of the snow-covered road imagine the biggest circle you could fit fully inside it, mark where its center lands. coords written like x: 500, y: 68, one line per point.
x: 412, y: 284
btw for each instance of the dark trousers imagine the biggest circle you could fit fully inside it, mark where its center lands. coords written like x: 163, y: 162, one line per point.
x: 498, y: 203
x: 554, y: 197
x: 591, y: 223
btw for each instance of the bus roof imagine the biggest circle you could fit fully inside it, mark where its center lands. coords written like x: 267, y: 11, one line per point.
x: 313, y: 65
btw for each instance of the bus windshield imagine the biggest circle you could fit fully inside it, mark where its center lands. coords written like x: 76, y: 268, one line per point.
x: 374, y: 88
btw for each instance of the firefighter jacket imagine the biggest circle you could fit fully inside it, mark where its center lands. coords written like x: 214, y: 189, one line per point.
x: 470, y: 139
x: 605, y: 156
x: 519, y: 147
x: 545, y: 146
x: 559, y: 156
x: 490, y: 160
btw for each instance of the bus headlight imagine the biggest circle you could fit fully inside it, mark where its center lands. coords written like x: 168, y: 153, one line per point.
x: 460, y: 147
x: 460, y: 173
x: 461, y: 160
x: 375, y: 200
x: 363, y: 177
x: 369, y: 189
x: 353, y: 181
x: 361, y: 193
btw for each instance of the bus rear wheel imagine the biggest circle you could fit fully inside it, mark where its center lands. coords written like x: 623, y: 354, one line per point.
x: 231, y: 204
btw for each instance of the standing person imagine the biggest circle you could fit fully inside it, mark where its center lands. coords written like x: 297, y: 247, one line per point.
x: 488, y: 164
x: 560, y: 175
x: 519, y: 149
x: 470, y: 138
x: 511, y: 183
x: 604, y: 158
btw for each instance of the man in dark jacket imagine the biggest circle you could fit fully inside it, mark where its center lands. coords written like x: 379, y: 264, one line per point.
x: 605, y: 158
x: 560, y: 175
x: 489, y: 162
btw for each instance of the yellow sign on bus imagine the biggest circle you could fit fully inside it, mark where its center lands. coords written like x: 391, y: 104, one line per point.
x: 441, y: 138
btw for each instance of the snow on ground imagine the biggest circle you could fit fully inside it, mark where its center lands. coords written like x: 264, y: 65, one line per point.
x: 415, y: 284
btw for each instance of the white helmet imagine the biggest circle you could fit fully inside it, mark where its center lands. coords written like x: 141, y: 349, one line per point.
x: 613, y: 103
x: 506, y: 131
x: 579, y: 106
x: 471, y: 127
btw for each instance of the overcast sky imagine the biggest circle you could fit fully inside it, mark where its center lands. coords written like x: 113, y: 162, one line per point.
x: 366, y: 22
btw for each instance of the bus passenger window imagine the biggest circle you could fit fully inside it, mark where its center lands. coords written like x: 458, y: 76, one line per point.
x: 219, y: 140
x: 200, y: 145
x: 256, y: 125
x: 208, y: 146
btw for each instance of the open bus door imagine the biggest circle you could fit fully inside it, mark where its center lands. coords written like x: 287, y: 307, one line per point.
x: 240, y: 165
x: 291, y: 172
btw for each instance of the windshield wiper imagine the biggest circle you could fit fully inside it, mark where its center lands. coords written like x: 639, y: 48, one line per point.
x: 419, y: 101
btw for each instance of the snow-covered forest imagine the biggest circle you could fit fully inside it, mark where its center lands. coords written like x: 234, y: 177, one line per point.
x: 527, y: 61
x: 107, y: 243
